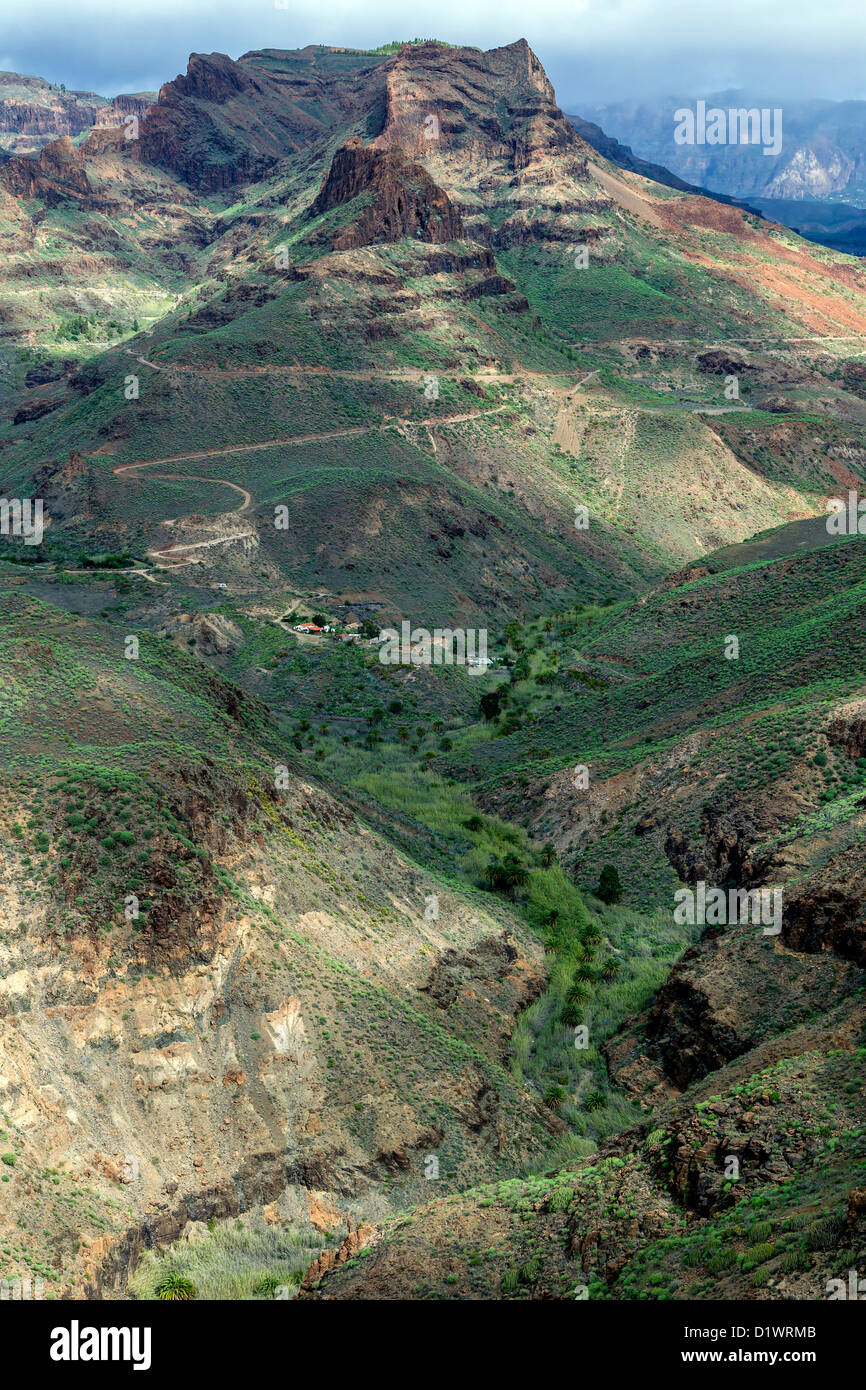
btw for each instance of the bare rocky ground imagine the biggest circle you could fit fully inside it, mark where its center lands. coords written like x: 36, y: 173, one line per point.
x: 259, y: 1046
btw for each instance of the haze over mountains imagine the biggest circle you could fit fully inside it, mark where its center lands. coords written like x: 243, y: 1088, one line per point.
x: 820, y: 165
x: 822, y: 154
x: 321, y: 342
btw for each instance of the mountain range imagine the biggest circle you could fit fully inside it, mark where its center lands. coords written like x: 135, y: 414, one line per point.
x: 814, y: 184
x: 366, y: 980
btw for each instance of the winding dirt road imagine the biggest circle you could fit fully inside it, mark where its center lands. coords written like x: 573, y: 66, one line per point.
x: 168, y: 555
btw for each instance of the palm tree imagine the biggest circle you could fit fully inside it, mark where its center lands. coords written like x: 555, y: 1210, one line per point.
x: 506, y: 875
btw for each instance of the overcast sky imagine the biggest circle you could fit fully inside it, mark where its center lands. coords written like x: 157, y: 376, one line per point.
x: 593, y: 50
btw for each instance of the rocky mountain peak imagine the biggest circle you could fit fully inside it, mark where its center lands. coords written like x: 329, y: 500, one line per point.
x: 212, y: 77
x: 461, y: 102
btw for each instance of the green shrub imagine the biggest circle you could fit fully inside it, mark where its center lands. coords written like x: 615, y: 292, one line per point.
x: 760, y: 1231
x: 554, y: 1096
x: 609, y: 886
x: 560, y: 1199
x: 823, y: 1234
x: 758, y: 1255
x: 268, y: 1286
x: 794, y: 1260
x: 174, y: 1287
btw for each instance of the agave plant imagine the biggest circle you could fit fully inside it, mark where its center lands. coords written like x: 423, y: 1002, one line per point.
x: 554, y: 1096
x: 174, y: 1287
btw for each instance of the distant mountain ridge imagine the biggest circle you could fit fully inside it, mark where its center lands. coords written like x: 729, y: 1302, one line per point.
x: 34, y: 112
x: 625, y: 157
x: 823, y: 154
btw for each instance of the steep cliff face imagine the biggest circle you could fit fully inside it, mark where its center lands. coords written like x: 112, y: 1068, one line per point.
x: 57, y: 175
x: 726, y: 995
x: 488, y: 129
x: 212, y: 77
x: 179, y: 134
x: 814, y: 171
x: 402, y: 198
x: 827, y: 913
x: 499, y: 104
x: 229, y: 1037
x: 227, y: 121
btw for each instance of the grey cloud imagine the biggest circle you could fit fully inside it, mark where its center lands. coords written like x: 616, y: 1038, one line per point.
x: 594, y: 50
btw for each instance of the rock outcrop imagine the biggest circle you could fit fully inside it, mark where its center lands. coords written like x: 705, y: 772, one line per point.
x: 401, y: 198
x: 57, y: 175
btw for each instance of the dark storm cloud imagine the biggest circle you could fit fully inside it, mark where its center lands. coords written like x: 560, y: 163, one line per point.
x: 594, y: 50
